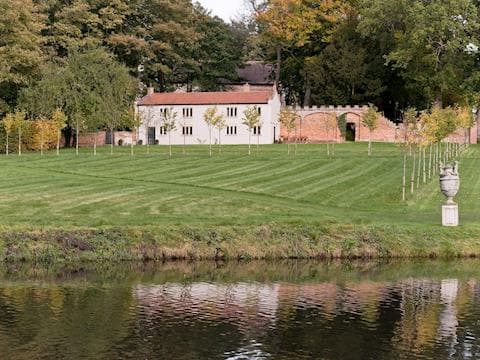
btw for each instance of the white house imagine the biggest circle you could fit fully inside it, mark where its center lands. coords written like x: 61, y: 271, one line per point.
x: 190, y: 125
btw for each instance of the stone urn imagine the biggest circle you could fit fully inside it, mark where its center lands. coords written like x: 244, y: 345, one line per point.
x: 449, y: 181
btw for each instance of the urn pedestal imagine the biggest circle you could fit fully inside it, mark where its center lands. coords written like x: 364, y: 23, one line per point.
x: 449, y: 185
x: 450, y: 215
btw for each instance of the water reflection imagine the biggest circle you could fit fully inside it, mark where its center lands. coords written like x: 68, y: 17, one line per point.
x: 293, y: 310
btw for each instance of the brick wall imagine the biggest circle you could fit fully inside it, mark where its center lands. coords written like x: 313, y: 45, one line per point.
x: 101, y: 136
x: 312, y: 127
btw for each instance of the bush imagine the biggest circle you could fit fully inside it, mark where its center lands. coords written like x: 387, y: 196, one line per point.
x: 120, y: 142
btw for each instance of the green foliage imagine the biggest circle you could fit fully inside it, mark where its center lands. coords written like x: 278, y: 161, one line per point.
x: 20, y: 48
x: 251, y: 117
x: 430, y: 40
x: 169, y: 119
x: 349, y: 69
x: 371, y: 117
x: 439, y: 123
x: 342, y: 124
x: 91, y: 89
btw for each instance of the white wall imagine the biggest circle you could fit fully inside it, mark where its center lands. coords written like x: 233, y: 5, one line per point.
x: 270, y: 130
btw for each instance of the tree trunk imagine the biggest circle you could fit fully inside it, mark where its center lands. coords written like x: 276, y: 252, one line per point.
x: 219, y: 140
x: 370, y: 146
x: 58, y: 141
x: 184, y: 144
x: 430, y: 163
x: 438, y: 100
x: 169, y: 144
x: 6, y: 145
x: 279, y: 65
x: 249, y: 141
x: 404, y: 179
x: 111, y: 141
x: 258, y: 138
x: 41, y: 141
x: 20, y: 142
x: 131, y: 147
x: 412, y: 178
x: 210, y: 141
x: 288, y: 143
x: 308, y: 92
x: 76, y: 137
x: 419, y: 166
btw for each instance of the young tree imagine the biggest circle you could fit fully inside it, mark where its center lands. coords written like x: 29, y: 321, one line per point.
x: 251, y: 119
x: 19, y: 119
x: 370, y: 120
x: 211, y: 117
x: 133, y: 122
x: 436, y: 126
x: 9, y: 125
x: 60, y: 121
x: 184, y: 123
x: 42, y: 126
x: 169, y: 122
x: 288, y: 119
x: 410, y: 126
x: 465, y: 121
x: 147, y: 117
x: 331, y: 125
x: 220, y: 124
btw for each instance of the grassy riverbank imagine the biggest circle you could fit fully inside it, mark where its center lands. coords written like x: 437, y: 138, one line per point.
x: 268, y: 205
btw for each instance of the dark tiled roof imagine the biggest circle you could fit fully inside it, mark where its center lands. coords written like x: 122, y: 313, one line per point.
x: 255, y: 72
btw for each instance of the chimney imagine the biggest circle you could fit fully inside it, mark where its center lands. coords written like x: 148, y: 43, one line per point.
x: 150, y: 90
x: 246, y: 87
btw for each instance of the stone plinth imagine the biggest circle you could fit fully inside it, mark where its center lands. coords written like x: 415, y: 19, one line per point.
x: 450, y: 215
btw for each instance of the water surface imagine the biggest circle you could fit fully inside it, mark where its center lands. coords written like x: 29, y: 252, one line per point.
x: 255, y: 310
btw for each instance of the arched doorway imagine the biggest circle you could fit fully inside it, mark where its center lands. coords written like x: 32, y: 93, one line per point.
x: 350, y: 131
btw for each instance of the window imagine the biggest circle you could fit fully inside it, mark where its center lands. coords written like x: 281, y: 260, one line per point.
x: 187, y: 112
x: 163, y: 112
x: 259, y: 110
x: 232, y: 111
x: 187, y: 130
x: 257, y: 130
x: 163, y: 130
x: 231, y: 130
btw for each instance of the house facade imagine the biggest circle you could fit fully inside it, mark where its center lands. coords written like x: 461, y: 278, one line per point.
x: 190, y: 109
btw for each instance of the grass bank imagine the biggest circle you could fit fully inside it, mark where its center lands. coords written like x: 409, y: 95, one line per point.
x: 269, y: 205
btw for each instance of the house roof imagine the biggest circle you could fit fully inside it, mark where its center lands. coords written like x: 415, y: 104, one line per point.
x: 255, y: 72
x: 207, y: 98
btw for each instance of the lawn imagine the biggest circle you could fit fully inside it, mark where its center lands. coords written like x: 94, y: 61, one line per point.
x: 231, y: 189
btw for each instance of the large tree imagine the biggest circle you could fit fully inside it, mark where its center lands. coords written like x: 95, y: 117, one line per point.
x: 430, y: 41
x: 287, y: 24
x: 20, y: 48
x: 91, y: 88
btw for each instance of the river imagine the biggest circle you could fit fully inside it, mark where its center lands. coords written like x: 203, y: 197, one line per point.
x: 427, y: 309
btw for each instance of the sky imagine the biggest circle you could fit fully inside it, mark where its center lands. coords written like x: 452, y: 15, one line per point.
x: 226, y: 9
